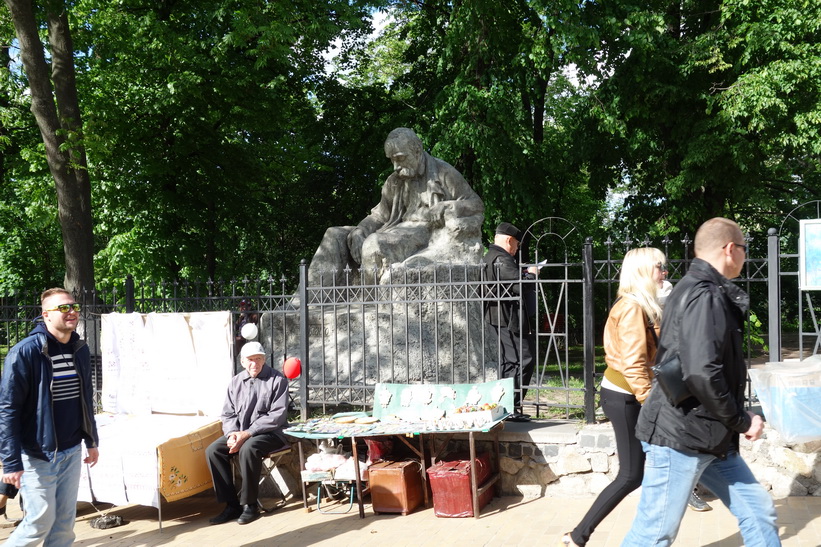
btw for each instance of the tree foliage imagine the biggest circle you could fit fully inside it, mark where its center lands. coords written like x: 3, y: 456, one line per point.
x: 485, y: 81
x: 206, y: 134
x: 222, y: 140
x: 701, y: 109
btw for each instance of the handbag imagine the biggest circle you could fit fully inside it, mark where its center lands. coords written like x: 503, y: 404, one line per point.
x: 669, y: 376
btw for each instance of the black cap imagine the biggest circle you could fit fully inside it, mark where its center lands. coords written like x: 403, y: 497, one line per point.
x: 508, y: 229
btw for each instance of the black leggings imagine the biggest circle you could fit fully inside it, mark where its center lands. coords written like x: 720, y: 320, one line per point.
x: 623, y: 411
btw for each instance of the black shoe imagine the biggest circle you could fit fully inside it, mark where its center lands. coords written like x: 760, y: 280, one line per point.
x: 249, y: 514
x: 697, y: 504
x: 518, y: 417
x: 231, y: 512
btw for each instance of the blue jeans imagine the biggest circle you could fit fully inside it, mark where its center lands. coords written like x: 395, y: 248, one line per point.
x: 49, y: 491
x: 669, y: 477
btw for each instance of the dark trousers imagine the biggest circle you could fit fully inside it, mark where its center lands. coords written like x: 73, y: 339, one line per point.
x: 623, y: 412
x: 515, y: 357
x: 249, y: 459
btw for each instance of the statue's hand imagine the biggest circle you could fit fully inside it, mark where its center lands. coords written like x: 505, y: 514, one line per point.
x: 355, y: 240
x: 437, y: 212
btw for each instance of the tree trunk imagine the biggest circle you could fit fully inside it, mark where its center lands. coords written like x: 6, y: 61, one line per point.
x: 67, y: 166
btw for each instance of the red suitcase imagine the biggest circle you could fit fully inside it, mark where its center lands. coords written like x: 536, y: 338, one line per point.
x: 396, y: 487
x: 450, y: 485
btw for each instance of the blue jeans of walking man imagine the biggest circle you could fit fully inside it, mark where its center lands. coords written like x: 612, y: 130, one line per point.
x: 49, y: 491
x: 669, y: 477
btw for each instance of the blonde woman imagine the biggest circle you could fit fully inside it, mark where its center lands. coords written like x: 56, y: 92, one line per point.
x: 630, y: 338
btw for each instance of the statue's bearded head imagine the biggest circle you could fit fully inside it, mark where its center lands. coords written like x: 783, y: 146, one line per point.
x: 405, y: 151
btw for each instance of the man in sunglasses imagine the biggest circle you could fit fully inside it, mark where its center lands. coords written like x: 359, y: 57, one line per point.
x: 696, y: 440
x: 46, y: 412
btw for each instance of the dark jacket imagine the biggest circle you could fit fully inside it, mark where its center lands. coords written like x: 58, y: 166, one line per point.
x: 258, y: 405
x: 500, y: 309
x: 706, y: 331
x: 26, y: 413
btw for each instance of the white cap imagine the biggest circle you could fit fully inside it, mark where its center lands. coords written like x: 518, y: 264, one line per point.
x: 252, y: 348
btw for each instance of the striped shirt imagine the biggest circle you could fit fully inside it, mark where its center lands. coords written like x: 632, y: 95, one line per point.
x: 66, y: 382
x: 65, y: 393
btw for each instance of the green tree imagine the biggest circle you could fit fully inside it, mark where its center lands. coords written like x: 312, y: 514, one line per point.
x: 207, y: 133
x: 484, y: 84
x: 54, y: 103
x: 676, y: 119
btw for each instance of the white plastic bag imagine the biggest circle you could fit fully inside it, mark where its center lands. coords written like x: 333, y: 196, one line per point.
x: 790, y: 396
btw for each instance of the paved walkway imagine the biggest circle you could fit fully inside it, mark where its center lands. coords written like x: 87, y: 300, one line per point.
x: 506, y: 521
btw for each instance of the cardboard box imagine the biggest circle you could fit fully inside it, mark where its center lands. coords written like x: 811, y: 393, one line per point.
x: 475, y: 420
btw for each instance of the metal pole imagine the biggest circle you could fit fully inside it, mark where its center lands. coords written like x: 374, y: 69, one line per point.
x: 303, y: 339
x: 589, y: 334
x: 774, y: 294
x: 129, y: 294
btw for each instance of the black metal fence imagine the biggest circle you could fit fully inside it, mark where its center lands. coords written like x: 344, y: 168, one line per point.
x: 425, y: 326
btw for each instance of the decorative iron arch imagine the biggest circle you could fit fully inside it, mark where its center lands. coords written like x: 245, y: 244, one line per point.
x: 789, y: 227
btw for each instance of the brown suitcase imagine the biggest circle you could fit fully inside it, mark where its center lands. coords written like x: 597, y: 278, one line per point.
x: 396, y: 487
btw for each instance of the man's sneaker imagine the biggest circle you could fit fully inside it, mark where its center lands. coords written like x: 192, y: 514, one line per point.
x: 231, y: 512
x: 697, y: 504
x: 249, y: 514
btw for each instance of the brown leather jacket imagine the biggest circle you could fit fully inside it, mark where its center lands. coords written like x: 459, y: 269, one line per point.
x: 630, y: 347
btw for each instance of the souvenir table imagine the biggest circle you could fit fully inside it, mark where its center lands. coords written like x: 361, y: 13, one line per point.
x: 424, y: 411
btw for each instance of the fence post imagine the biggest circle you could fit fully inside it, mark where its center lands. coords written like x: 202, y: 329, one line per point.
x: 303, y: 339
x: 129, y: 294
x: 589, y: 332
x: 774, y: 294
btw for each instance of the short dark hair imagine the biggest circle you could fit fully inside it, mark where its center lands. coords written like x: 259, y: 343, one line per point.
x: 51, y: 292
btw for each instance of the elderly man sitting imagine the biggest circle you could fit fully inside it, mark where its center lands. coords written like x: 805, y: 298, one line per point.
x: 253, y: 416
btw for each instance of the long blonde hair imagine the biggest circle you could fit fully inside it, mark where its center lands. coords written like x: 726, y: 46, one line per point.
x: 636, y: 280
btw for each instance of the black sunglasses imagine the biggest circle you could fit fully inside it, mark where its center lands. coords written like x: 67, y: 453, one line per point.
x: 737, y: 245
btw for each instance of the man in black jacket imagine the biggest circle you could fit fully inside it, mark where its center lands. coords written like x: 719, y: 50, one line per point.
x: 698, y: 439
x: 512, y: 329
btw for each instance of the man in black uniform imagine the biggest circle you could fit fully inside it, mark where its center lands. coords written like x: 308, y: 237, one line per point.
x: 513, y: 331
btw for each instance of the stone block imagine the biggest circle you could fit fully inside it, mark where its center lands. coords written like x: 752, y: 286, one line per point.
x: 587, y: 441
x: 531, y: 474
x: 549, y: 451
x: 794, y: 463
x: 530, y: 491
x: 570, y: 462
x: 807, y: 448
x: 597, y: 483
x: 765, y: 474
x: 571, y: 486
x: 509, y: 485
x: 510, y: 466
x: 784, y: 486
x: 547, y: 475
x: 599, y: 462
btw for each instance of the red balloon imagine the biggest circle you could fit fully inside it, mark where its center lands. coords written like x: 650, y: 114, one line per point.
x: 292, y: 367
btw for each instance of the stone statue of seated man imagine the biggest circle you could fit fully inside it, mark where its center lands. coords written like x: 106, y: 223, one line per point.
x: 428, y: 214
